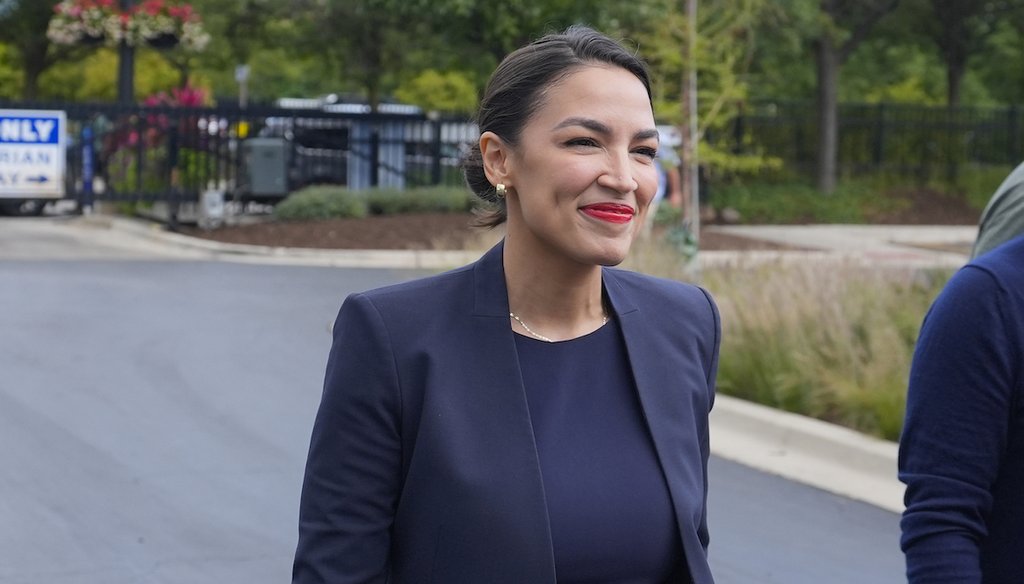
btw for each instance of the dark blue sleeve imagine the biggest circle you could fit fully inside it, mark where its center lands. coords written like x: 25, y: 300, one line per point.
x: 353, y: 471
x: 705, y: 441
x: 958, y: 408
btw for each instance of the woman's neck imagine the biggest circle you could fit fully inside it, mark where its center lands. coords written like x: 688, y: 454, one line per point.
x: 557, y: 298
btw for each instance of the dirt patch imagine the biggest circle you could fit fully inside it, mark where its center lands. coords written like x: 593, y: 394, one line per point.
x: 454, y: 231
x: 927, y: 207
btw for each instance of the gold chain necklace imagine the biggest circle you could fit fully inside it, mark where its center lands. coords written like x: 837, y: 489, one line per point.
x: 604, y: 321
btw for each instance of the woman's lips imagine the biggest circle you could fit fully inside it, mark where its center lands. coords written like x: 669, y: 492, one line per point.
x: 610, y: 212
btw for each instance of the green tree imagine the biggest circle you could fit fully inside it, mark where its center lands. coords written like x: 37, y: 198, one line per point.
x: 832, y: 30
x: 996, y: 66
x: 94, y: 78
x: 10, y: 79
x: 961, y: 29
x: 450, y: 92
x: 241, y: 32
x: 725, y: 48
x: 368, y: 40
x: 23, y: 26
x: 843, y: 26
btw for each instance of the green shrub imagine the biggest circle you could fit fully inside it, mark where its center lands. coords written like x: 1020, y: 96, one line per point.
x: 321, y: 202
x: 327, y: 202
x: 419, y: 200
x: 798, y: 202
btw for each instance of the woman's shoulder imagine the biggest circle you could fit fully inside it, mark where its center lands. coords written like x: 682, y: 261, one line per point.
x: 653, y: 289
x: 425, y: 291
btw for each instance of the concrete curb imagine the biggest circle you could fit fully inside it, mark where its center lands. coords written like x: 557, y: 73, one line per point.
x: 809, y: 451
x: 244, y: 253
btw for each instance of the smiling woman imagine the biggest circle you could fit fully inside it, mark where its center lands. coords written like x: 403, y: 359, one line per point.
x: 537, y: 416
x: 581, y: 176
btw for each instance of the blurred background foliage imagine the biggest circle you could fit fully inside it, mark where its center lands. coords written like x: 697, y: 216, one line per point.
x: 380, y: 49
x: 437, y: 54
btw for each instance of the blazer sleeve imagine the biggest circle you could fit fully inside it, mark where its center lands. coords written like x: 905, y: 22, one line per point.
x: 353, y: 471
x: 705, y: 444
x: 956, y: 429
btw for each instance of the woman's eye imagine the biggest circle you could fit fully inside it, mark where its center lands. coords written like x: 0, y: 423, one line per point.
x: 582, y: 142
x: 648, y: 152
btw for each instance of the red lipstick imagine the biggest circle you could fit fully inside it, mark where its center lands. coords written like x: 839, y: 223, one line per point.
x: 610, y: 212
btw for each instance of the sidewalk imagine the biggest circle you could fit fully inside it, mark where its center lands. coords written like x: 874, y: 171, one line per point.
x: 902, y: 245
x: 798, y: 448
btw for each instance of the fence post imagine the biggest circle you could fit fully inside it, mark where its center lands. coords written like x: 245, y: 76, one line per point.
x: 139, y: 124
x: 879, y: 146
x: 88, y: 169
x: 1013, y: 127
x: 737, y: 133
x: 374, y: 158
x: 175, y: 173
x: 435, y: 168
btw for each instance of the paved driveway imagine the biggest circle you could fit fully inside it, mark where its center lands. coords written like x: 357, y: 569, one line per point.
x: 154, y: 418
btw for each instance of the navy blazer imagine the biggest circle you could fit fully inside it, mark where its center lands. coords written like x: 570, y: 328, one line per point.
x: 422, y: 466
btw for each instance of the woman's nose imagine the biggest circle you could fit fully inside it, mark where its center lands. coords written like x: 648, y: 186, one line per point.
x: 619, y: 177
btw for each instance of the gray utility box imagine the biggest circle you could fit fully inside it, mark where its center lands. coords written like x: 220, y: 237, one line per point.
x: 266, y: 163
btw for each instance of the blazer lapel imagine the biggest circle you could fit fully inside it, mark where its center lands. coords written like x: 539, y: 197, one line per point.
x: 671, y: 416
x: 506, y: 421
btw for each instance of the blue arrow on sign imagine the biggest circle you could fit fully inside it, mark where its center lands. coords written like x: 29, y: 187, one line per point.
x: 37, y: 179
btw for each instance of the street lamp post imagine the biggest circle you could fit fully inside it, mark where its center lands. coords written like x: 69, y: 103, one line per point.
x: 126, y: 65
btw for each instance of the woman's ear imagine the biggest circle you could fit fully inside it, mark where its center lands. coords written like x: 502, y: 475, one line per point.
x: 495, y: 154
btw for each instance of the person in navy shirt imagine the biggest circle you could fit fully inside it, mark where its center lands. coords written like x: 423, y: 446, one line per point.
x: 962, y: 449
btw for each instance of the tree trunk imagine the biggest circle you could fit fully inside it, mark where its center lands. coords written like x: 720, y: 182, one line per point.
x: 828, y: 63
x: 30, y: 86
x: 688, y: 126
x: 31, y: 72
x: 955, y: 69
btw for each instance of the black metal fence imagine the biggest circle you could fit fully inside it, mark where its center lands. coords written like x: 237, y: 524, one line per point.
x: 119, y: 153
x: 905, y: 140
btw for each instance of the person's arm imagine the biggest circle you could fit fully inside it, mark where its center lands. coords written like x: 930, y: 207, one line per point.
x: 705, y: 445
x: 957, y: 418
x: 353, y: 471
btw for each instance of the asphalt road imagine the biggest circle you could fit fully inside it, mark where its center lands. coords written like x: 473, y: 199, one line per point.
x: 154, y: 419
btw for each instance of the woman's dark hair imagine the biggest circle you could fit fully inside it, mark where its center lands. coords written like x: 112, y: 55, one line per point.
x: 516, y: 90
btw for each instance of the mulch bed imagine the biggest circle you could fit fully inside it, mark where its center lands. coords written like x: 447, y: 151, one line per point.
x: 454, y: 231
x: 928, y: 207
x: 419, y: 231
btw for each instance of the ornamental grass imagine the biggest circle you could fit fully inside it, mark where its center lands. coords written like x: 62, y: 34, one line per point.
x: 824, y: 339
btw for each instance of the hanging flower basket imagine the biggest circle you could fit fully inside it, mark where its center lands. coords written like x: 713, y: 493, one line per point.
x: 164, y: 40
x: 88, y: 22
x: 92, y: 40
x: 161, y: 24
x: 165, y: 24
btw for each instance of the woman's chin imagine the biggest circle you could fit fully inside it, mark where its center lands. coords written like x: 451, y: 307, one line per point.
x: 609, y: 258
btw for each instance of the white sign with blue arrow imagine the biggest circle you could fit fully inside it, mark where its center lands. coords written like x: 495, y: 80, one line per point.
x: 32, y: 153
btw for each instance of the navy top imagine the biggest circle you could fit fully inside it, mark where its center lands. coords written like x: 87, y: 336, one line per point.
x: 609, y: 507
x: 962, y: 448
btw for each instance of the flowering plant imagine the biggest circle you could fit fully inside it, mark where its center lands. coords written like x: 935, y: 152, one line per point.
x: 76, y: 21
x: 187, y: 96
x: 160, y: 23
x: 156, y: 19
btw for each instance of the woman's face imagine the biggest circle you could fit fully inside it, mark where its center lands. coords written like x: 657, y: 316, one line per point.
x: 582, y: 174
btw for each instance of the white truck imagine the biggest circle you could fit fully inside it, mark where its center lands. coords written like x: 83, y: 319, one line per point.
x: 32, y: 159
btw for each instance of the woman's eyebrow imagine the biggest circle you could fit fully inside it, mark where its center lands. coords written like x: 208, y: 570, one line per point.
x: 601, y: 128
x: 588, y: 123
x: 646, y: 134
